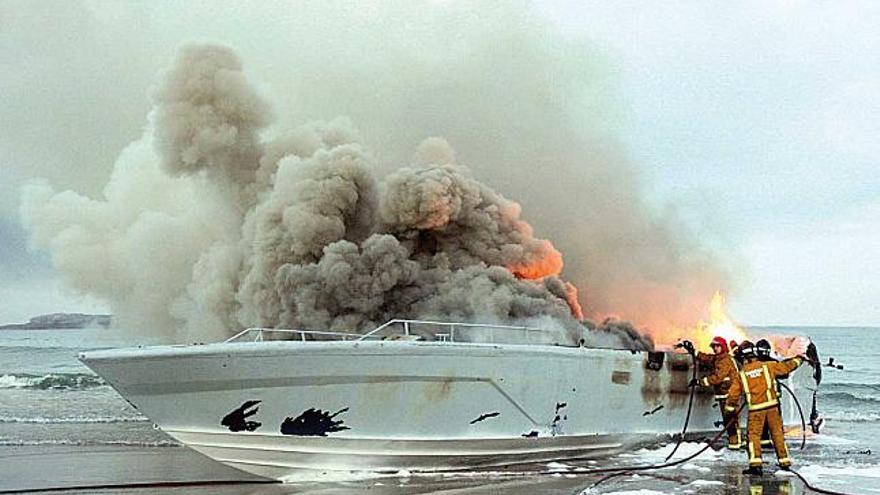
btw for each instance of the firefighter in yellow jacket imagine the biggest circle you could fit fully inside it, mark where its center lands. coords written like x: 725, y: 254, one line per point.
x: 757, y: 381
x: 724, y: 372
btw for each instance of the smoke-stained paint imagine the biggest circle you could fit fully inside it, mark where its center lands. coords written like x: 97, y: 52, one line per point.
x: 556, y: 424
x: 621, y: 377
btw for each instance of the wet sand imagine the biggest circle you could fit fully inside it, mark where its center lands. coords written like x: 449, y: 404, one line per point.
x: 39, y: 467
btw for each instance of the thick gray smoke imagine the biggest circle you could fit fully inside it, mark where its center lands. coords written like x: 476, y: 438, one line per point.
x: 207, y: 227
x: 200, y: 214
x: 207, y: 117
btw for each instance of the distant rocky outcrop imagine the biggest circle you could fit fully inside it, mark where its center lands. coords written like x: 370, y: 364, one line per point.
x: 61, y: 321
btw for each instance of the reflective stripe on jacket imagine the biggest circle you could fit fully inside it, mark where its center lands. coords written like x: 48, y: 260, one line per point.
x: 757, y: 381
x: 724, y: 373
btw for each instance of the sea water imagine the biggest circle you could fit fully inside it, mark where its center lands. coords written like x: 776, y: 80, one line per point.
x: 47, y: 398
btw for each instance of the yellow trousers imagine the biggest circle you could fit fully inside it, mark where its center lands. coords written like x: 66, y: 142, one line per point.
x: 731, y: 422
x: 773, y: 419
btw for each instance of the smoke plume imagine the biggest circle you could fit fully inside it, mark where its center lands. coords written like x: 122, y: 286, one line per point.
x: 232, y: 211
x: 225, y: 231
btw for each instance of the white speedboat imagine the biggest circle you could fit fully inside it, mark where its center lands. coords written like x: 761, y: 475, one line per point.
x: 411, y: 395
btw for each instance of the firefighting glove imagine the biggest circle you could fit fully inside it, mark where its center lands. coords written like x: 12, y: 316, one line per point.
x: 686, y: 345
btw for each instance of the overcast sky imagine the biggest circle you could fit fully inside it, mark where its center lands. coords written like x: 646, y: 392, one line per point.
x: 759, y: 120
x: 756, y: 121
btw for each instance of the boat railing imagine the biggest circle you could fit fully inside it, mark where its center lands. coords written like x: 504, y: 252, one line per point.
x: 447, y: 331
x: 257, y: 334
x: 438, y: 331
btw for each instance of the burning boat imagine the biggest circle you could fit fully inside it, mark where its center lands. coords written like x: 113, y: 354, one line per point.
x: 235, y: 222
x: 421, y: 396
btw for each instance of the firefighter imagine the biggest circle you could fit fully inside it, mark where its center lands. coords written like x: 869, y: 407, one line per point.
x: 762, y: 350
x: 724, y: 373
x: 735, y: 352
x: 757, y: 382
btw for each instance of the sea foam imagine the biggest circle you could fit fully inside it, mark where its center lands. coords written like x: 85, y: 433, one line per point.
x: 51, y: 381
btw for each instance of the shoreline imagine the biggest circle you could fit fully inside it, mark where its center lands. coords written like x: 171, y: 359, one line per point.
x: 35, y: 467
x: 81, y: 470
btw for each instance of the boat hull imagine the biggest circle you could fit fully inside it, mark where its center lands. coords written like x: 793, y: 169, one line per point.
x: 274, y: 457
x: 276, y: 408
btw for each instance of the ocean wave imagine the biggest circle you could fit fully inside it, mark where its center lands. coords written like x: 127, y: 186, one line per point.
x: 51, y: 381
x: 863, y: 387
x: 9, y: 442
x: 851, y: 398
x: 853, y: 416
x: 73, y: 419
x: 32, y: 349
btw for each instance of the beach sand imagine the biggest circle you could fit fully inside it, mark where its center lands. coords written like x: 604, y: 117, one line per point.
x: 36, y: 467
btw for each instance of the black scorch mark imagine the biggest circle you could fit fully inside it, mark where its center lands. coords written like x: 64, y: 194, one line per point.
x: 313, y: 423
x: 485, y: 416
x: 652, y: 411
x: 237, y: 419
x: 556, y: 417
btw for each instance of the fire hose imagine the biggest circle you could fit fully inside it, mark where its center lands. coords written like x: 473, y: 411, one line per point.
x: 623, y: 471
x: 800, y: 412
x: 613, y: 471
x: 627, y: 470
x: 687, y: 417
x: 803, y: 443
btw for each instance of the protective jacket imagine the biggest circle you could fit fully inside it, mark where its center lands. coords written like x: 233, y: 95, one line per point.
x: 724, y: 373
x: 757, y: 381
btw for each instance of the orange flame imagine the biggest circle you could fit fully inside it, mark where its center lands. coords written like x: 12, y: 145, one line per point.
x: 720, y: 325
x: 701, y: 334
x: 545, y: 261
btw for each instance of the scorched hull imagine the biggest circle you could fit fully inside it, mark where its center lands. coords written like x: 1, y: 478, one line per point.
x: 274, y: 408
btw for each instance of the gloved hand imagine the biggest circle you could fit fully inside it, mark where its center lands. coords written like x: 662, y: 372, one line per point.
x: 693, y: 383
x: 687, y: 345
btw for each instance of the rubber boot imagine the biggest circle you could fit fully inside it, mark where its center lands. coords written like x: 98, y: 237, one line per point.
x: 754, y: 471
